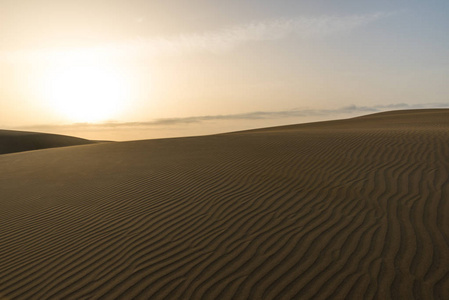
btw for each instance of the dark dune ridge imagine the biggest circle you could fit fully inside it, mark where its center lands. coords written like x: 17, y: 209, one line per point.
x: 19, y: 141
x: 355, y: 209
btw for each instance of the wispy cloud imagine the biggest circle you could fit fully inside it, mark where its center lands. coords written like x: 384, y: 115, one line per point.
x: 213, y: 41
x: 257, y: 115
x: 229, y: 38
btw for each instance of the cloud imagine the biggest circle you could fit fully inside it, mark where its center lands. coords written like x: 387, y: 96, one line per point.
x: 257, y: 115
x: 213, y: 41
x: 230, y: 38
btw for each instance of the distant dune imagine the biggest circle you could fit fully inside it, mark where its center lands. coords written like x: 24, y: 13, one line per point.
x: 348, y: 209
x: 19, y: 141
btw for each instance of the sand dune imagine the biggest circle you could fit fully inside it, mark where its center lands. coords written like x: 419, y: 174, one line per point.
x: 18, y: 141
x: 355, y: 209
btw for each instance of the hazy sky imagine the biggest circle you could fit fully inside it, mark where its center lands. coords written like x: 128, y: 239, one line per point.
x: 168, y: 68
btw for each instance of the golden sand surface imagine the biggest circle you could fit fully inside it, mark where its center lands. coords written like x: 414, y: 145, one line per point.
x: 347, y: 209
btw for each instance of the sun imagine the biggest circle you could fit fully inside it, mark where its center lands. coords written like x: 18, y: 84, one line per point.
x: 86, y: 93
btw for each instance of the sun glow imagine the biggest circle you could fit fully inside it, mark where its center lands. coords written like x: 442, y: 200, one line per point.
x: 88, y: 92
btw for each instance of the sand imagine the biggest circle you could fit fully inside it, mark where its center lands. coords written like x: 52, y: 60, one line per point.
x: 18, y: 141
x: 355, y: 209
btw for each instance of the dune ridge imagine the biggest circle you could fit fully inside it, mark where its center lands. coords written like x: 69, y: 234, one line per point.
x: 18, y: 141
x: 347, y: 209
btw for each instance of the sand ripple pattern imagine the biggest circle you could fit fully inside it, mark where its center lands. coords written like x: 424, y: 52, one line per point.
x: 352, y: 209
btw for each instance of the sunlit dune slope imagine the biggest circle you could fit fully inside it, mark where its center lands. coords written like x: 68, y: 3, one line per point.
x: 350, y: 209
x: 18, y: 141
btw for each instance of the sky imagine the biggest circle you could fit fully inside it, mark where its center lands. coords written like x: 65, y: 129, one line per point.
x: 138, y: 69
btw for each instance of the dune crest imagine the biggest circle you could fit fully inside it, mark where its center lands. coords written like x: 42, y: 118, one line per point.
x: 19, y: 141
x: 355, y: 209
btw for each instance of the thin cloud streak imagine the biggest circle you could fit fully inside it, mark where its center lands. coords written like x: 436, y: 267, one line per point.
x: 257, y: 115
x: 214, y: 41
x: 230, y: 38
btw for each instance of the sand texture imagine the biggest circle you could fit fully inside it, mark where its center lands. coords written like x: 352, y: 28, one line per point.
x: 18, y: 141
x: 350, y: 209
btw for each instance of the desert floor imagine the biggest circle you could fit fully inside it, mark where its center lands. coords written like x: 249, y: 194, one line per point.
x: 355, y: 209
